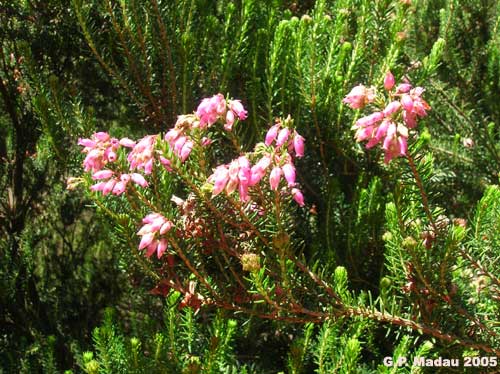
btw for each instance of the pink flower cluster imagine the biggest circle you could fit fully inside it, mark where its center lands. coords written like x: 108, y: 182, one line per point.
x: 142, y: 154
x: 100, y: 150
x: 359, y: 97
x: 155, y: 226
x: 274, y: 161
x: 229, y: 177
x: 283, y: 136
x: 390, y: 125
x: 208, y: 112
x: 114, y: 184
x: 214, y: 108
x: 180, y: 143
x: 241, y: 175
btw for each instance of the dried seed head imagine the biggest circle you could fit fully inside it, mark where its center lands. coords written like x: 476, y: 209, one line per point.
x: 250, y: 262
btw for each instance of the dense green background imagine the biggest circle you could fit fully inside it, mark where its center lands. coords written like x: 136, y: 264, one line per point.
x: 130, y: 67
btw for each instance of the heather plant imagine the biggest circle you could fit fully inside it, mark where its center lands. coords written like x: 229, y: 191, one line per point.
x: 226, y: 228
x: 329, y: 251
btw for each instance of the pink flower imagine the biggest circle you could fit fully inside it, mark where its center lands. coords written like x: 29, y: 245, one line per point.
x: 162, y: 246
x: 102, y: 174
x: 126, y: 142
x: 229, y: 120
x: 390, y: 134
x: 151, y: 248
x: 172, y: 135
x: 102, y: 136
x: 119, y: 188
x: 298, y: 144
x: 110, y: 155
x: 108, y: 186
x: 271, y: 134
x: 87, y: 143
x: 414, y: 106
x: 395, y: 143
x: 379, y: 133
x: 186, y: 150
x: 407, y: 102
x: 420, y: 106
x: 282, y: 137
x: 166, y: 227
x: 167, y: 164
x: 370, y: 120
x: 359, y: 97
x: 410, y: 119
x: 389, y: 81
x: 179, y: 143
x: 298, y: 196
x: 146, y: 240
x: 244, y: 177
x: 403, y: 88
x: 211, y: 109
x: 97, y: 187
x: 139, y: 179
x: 258, y: 171
x: 142, y: 155
x: 396, y: 147
x: 274, y: 178
x: 220, y: 178
x: 289, y: 173
x: 100, y: 150
x: 155, y: 226
x: 237, y: 108
x: 392, y: 108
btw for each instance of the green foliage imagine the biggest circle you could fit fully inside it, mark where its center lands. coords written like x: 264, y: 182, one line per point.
x: 185, y: 346
x: 133, y: 66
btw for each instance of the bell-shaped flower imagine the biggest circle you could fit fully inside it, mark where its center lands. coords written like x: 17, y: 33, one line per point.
x: 283, y: 136
x: 186, y: 150
x: 389, y: 81
x: 126, y: 142
x: 219, y: 178
x: 298, y: 196
x: 230, y: 118
x: 403, y: 88
x: 139, y: 179
x: 102, y: 174
x: 155, y: 226
x: 211, y: 109
x: 237, y: 108
x: 108, y: 187
x: 298, y: 144
x: 142, y: 155
x: 359, y: 97
x: 162, y: 247
x: 289, y: 173
x: 100, y: 150
x: 392, y: 108
x: 272, y: 133
x: 274, y: 178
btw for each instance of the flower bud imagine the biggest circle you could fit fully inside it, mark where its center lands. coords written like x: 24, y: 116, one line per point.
x: 250, y: 262
x: 389, y: 81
